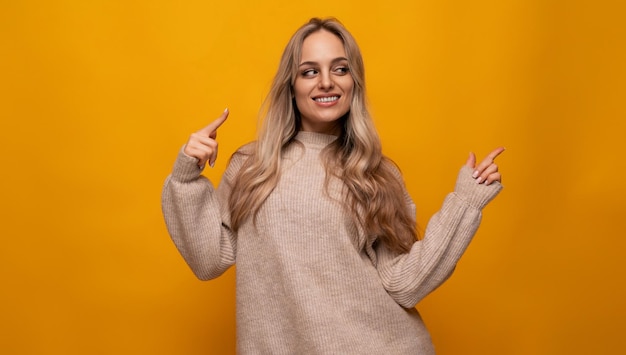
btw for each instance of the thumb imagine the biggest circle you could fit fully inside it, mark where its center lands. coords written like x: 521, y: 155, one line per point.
x: 471, y: 160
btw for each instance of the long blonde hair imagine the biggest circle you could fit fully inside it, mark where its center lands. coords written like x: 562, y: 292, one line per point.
x: 374, y: 189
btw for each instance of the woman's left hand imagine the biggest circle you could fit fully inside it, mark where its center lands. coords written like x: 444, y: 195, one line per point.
x: 487, y: 171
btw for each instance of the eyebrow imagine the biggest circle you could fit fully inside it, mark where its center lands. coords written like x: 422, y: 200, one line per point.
x: 338, y: 59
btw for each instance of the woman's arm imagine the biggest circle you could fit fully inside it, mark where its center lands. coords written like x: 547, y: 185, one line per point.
x: 411, y: 276
x: 196, y: 215
x: 197, y: 218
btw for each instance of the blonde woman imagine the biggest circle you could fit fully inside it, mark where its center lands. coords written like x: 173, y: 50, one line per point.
x: 317, y: 220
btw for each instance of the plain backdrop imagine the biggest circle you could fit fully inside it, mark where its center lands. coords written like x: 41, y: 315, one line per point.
x: 97, y: 97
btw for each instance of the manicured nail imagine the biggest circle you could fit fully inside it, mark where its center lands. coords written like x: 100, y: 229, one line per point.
x: 226, y: 110
x: 212, y: 164
x: 475, y: 174
x: 479, y: 180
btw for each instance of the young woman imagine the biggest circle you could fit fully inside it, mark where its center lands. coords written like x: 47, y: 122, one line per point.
x: 317, y: 220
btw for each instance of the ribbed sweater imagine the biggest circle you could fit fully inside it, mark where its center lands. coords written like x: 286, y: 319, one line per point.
x: 308, y: 280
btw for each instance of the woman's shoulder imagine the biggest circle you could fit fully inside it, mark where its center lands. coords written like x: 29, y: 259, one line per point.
x: 245, y: 150
x: 390, y: 166
x: 239, y: 157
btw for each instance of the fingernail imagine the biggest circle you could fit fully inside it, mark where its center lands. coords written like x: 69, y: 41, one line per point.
x: 479, y: 180
x: 475, y: 174
x: 226, y: 110
x: 212, y: 164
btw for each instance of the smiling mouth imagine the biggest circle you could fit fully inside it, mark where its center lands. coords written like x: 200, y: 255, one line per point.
x: 326, y: 99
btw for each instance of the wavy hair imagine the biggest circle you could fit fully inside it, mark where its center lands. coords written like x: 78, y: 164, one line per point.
x: 373, y: 187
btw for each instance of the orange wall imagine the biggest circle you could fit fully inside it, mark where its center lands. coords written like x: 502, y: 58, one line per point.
x: 96, y: 97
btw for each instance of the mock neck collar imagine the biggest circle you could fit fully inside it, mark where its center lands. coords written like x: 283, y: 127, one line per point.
x: 315, y: 139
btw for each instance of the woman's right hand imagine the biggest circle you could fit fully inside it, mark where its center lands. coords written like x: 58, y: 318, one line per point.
x: 202, y: 144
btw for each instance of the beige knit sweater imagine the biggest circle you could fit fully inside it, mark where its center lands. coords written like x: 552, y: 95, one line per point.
x: 308, y: 280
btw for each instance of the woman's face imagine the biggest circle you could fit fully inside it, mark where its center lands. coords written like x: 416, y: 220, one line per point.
x: 323, y: 85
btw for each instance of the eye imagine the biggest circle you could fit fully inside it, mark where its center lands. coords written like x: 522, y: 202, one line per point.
x: 309, y: 72
x: 342, y: 70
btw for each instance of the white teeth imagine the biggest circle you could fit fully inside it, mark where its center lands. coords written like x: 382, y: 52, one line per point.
x: 327, y: 99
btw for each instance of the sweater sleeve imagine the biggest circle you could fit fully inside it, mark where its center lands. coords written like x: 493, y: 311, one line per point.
x: 409, y: 277
x: 197, y: 217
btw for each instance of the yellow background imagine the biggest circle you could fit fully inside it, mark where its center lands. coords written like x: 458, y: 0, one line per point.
x: 96, y: 97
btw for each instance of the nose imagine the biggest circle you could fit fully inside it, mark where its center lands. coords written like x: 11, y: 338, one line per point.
x: 326, y: 81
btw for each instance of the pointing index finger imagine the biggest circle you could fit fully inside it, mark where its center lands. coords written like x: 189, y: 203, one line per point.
x: 487, y: 161
x: 495, y: 153
x: 213, y: 126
